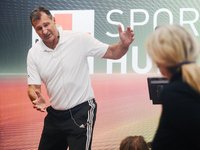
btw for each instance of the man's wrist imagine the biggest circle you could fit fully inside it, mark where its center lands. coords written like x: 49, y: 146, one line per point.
x: 123, y: 46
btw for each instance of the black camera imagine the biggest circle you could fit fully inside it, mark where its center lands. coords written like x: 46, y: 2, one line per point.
x: 155, y: 86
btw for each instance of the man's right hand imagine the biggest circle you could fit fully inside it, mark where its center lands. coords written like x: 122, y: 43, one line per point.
x: 39, y: 103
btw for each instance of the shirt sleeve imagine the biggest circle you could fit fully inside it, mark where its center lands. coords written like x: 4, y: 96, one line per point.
x: 92, y: 46
x: 33, y: 74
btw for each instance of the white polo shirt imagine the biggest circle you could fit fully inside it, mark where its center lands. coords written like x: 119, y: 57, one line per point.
x: 65, y: 70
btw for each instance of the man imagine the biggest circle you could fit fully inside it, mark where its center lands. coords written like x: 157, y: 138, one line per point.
x: 59, y: 60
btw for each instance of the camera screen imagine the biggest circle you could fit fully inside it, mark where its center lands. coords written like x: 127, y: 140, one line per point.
x: 156, y: 85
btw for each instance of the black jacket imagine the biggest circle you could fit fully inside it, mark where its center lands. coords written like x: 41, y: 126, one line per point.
x: 179, y: 126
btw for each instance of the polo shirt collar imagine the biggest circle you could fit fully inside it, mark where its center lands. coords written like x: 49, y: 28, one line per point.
x: 61, y: 39
x: 61, y: 34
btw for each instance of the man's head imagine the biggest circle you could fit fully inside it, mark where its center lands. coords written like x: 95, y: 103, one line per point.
x: 45, y: 26
x: 35, y: 14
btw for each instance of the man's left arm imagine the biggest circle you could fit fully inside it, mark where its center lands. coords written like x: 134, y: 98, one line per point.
x: 116, y: 51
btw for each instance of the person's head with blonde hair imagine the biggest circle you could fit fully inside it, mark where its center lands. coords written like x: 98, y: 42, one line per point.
x: 174, y: 49
x: 134, y: 143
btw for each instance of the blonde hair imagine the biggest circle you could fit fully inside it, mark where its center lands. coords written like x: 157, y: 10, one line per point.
x: 170, y: 45
x: 134, y: 143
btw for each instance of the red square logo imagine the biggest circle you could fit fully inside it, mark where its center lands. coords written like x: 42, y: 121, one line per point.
x: 64, y: 20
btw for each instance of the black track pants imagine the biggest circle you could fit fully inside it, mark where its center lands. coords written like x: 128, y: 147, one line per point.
x: 69, y: 128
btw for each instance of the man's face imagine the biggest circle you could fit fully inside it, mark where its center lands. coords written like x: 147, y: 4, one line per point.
x: 45, y: 28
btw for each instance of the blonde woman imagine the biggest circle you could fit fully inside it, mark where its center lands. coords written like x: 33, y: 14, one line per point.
x: 175, y: 51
